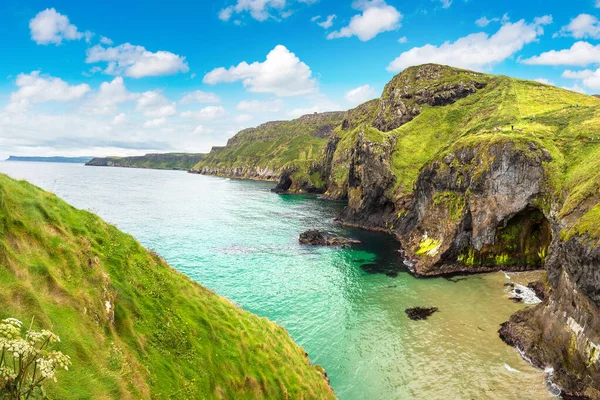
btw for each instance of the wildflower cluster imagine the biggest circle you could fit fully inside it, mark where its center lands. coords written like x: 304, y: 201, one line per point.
x: 25, y: 361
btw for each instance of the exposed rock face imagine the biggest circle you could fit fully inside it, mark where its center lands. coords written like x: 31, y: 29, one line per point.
x: 475, y: 210
x: 370, y: 178
x: 316, y: 237
x: 177, y: 161
x: 429, y: 84
x: 563, y: 332
x: 246, y: 172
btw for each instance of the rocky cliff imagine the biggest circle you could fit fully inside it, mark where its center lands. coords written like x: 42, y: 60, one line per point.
x: 473, y: 173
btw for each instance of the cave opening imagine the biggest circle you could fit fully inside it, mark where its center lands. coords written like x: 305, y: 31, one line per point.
x: 521, y: 241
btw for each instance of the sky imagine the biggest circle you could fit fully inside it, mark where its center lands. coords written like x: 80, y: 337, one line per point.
x: 131, y: 77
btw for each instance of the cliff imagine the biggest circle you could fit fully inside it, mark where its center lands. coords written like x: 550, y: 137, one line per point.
x: 134, y: 327
x: 177, y: 161
x: 472, y: 173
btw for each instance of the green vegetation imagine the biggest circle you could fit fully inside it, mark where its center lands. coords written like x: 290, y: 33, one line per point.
x: 26, y: 361
x: 276, y: 144
x: 428, y: 247
x: 438, y: 110
x: 133, y: 326
x: 178, y: 161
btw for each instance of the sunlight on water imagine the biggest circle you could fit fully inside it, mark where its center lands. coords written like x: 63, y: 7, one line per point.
x: 240, y: 240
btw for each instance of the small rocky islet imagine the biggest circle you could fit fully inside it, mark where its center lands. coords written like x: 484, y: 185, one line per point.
x: 467, y: 170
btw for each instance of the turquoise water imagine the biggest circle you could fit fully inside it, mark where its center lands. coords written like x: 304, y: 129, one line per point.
x: 240, y: 240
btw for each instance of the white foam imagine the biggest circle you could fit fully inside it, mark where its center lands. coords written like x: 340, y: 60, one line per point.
x: 511, y: 369
x: 524, y: 293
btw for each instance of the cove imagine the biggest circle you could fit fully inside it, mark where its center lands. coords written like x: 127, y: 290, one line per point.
x: 240, y: 240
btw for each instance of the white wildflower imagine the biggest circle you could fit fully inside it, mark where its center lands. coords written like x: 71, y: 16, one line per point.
x: 9, y: 331
x: 13, y: 321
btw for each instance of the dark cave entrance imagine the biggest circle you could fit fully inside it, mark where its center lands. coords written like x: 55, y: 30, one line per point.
x: 522, y: 241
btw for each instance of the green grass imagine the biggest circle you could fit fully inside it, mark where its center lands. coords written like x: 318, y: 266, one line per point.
x: 171, y: 338
x: 179, y: 161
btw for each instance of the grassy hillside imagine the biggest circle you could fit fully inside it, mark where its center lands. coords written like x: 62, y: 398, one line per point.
x: 134, y: 327
x: 275, y: 144
x: 179, y: 161
x: 423, y: 113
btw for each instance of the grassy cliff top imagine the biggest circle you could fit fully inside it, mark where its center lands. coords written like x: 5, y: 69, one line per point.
x: 180, y: 161
x: 133, y: 326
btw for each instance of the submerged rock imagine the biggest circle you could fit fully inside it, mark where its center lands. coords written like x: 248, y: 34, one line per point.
x: 420, y: 313
x: 316, y: 237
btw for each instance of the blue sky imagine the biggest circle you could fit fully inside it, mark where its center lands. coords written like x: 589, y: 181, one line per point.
x: 125, y: 77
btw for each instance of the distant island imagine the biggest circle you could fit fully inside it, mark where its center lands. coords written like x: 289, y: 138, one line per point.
x: 71, y: 160
x: 177, y: 161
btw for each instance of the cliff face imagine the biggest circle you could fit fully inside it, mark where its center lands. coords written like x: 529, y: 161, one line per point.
x: 477, y: 173
x: 476, y: 208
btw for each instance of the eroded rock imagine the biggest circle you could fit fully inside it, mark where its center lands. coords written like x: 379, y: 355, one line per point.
x: 316, y: 237
x: 420, y: 313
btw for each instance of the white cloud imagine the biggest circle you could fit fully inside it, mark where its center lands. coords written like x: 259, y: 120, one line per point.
x: 49, y: 26
x: 106, y: 41
x: 317, y: 17
x: 403, y: 40
x: 119, y: 119
x: 243, y: 118
x: 108, y: 97
x: 155, y: 123
x: 589, y: 78
x: 597, y: 5
x: 581, y: 27
x: 376, y: 17
x: 198, y: 96
x: 282, y: 73
x: 446, y: 3
x: 36, y: 88
x: 544, y: 81
x: 321, y: 103
x: 575, y: 88
x: 205, y: 114
x: 483, y: 21
x: 154, y: 105
x: 360, y: 94
x: 200, y: 129
x: 580, y: 53
x: 257, y: 106
x: 260, y: 10
x: 328, y: 23
x: 477, y: 50
x: 136, y: 61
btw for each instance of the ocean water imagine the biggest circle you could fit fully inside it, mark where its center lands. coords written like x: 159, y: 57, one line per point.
x: 240, y: 240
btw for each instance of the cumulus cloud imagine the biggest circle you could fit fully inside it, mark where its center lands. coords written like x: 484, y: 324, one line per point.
x: 37, y: 88
x: 136, y: 61
x: 328, y: 23
x: 260, y: 10
x: 403, y: 40
x: 575, y: 88
x: 108, y: 97
x: 446, y: 3
x: 580, y: 53
x: 200, y: 129
x: 257, y: 106
x: 49, y: 26
x: 205, y: 114
x: 376, y: 17
x: 475, y: 51
x: 589, y: 78
x: 484, y: 21
x: 360, y: 94
x: 582, y: 27
x: 321, y: 103
x: 198, y: 96
x: 282, y: 73
x: 106, y: 41
x: 154, y: 105
x: 119, y: 119
x: 155, y: 123
x: 544, y: 81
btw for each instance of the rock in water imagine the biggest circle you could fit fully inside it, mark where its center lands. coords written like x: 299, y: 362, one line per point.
x: 316, y: 237
x: 419, y: 313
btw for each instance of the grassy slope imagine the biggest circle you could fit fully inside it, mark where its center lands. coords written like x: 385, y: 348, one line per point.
x: 170, y: 338
x: 180, y: 161
x: 275, y: 144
